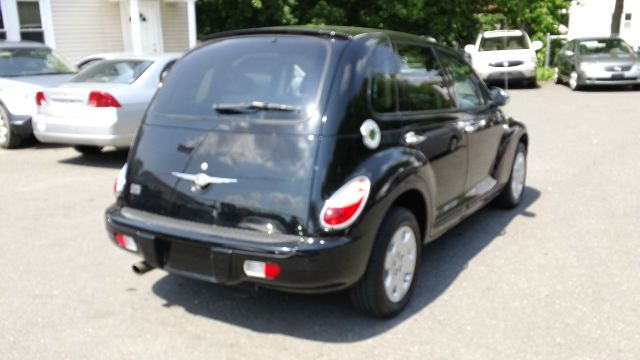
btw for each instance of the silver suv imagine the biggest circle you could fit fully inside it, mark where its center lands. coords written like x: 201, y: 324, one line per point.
x: 501, y: 54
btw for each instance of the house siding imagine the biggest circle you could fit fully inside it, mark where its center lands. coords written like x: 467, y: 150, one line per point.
x: 86, y: 27
x: 175, y: 30
x: 593, y: 18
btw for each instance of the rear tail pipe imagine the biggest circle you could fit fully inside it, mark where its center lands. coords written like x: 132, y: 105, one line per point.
x: 141, y: 267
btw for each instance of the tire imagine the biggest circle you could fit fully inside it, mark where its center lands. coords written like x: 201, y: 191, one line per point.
x: 532, y: 83
x: 511, y: 195
x: 574, y: 81
x: 380, y: 292
x: 88, y: 150
x: 8, y: 139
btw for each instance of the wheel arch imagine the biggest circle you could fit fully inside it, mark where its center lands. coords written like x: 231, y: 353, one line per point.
x: 414, y: 201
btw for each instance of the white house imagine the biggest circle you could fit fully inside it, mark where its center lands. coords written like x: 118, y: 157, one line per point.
x: 77, y: 28
x: 593, y: 18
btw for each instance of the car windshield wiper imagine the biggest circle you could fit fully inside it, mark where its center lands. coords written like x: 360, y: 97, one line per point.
x: 253, y: 106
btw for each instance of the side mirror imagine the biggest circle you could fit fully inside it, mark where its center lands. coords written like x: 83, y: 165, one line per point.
x: 569, y: 53
x: 499, y: 97
x: 536, y: 45
x: 470, y: 48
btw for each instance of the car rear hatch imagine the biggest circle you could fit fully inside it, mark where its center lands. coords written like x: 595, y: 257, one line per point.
x: 231, y: 138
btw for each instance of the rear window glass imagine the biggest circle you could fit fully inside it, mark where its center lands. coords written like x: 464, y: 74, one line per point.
x: 113, y: 71
x: 27, y: 62
x: 261, y: 77
x: 503, y: 43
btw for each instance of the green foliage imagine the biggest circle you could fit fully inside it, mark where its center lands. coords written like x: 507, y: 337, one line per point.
x: 544, y: 75
x: 448, y: 21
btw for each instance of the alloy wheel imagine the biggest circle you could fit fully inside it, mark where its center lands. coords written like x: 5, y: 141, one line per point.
x: 573, y: 80
x: 400, y: 264
x: 556, y: 76
x: 4, y: 129
x: 518, y: 175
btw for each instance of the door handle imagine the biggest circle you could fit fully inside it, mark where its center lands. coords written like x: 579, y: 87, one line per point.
x: 412, y: 138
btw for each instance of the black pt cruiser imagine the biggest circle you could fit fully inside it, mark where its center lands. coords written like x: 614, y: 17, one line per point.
x: 313, y: 160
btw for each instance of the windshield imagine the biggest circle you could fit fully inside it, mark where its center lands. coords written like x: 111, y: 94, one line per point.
x: 113, y: 71
x: 604, y: 46
x: 34, y: 61
x: 503, y: 43
x: 262, y: 77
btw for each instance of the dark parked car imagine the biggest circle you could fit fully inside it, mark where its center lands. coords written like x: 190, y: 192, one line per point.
x: 314, y: 160
x: 597, y: 61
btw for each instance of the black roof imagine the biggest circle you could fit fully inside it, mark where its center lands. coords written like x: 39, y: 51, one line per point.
x: 344, y: 32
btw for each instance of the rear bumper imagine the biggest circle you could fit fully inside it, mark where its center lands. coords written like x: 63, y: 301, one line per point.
x: 308, y: 265
x: 48, y: 129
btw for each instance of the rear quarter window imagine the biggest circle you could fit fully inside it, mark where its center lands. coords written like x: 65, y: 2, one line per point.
x: 113, y: 71
x: 421, y: 81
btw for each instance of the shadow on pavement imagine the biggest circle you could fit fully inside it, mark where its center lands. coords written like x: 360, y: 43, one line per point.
x: 107, y: 159
x: 330, y: 318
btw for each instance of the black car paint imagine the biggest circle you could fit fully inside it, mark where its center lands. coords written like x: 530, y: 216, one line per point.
x: 308, y: 161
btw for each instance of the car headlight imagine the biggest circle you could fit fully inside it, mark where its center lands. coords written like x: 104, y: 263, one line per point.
x: 533, y: 60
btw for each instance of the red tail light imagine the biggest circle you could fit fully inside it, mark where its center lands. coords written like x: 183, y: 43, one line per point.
x: 344, y: 207
x: 40, y: 99
x: 102, y: 99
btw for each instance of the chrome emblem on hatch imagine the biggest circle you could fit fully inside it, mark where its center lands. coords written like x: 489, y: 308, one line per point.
x: 201, y: 180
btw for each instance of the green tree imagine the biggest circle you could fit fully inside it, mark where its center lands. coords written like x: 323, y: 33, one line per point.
x: 448, y: 21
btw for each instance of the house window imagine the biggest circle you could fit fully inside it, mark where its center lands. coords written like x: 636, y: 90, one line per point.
x: 3, y: 33
x: 30, y: 21
x: 627, y: 16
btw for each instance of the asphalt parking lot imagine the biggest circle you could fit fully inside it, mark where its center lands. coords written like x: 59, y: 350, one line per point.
x: 558, y: 278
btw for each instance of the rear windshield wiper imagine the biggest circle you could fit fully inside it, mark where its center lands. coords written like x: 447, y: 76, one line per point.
x: 253, y: 106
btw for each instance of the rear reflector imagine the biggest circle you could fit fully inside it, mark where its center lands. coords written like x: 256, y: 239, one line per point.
x: 40, y: 99
x: 126, y: 242
x: 102, y: 99
x: 259, y: 269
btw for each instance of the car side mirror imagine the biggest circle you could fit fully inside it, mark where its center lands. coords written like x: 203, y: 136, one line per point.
x: 499, y: 97
x: 569, y: 53
x: 536, y: 45
x: 470, y: 48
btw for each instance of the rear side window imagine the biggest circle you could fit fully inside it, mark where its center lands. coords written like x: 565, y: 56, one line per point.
x: 503, y: 43
x: 113, y: 71
x: 420, y: 80
x: 466, y: 85
x: 258, y: 77
x: 383, y: 68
